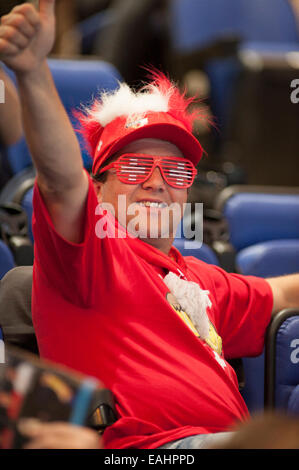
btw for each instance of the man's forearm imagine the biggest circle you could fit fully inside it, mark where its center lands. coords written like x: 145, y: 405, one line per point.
x: 10, y: 113
x: 52, y: 141
x: 285, y: 292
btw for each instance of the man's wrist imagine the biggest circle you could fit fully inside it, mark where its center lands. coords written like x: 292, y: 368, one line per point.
x: 34, y: 75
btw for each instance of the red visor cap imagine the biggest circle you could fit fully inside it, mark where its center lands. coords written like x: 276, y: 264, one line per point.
x: 123, y: 130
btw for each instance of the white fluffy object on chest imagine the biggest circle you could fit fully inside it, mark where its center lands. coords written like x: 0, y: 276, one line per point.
x: 193, y: 300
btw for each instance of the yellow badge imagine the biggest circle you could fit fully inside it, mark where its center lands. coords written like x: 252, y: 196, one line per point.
x: 214, y: 340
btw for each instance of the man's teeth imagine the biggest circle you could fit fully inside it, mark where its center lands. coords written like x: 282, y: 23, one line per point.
x: 159, y: 205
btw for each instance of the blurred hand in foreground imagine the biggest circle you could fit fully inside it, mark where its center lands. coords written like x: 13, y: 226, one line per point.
x: 58, y: 435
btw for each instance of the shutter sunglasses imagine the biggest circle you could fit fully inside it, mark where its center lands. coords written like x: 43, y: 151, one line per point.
x: 134, y: 168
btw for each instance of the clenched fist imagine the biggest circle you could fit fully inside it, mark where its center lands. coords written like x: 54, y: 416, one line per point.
x: 27, y: 36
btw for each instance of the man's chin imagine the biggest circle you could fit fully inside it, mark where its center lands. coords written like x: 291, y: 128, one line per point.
x: 150, y: 231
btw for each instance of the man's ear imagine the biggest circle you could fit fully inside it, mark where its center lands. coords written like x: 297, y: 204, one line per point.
x: 98, y: 186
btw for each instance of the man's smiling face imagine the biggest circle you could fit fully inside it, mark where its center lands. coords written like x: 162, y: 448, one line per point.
x: 149, y: 198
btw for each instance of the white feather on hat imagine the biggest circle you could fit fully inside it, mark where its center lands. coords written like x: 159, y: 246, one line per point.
x: 126, y: 102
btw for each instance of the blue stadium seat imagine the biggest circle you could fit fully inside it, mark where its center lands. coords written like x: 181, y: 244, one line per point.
x: 282, y: 362
x: 195, y: 23
x: 198, y: 250
x: 192, y: 247
x: 257, y: 25
x: 274, y: 23
x: 264, y: 231
x: 293, y: 403
x: 77, y: 82
x: 270, y: 258
x: 259, y: 215
x: 6, y: 259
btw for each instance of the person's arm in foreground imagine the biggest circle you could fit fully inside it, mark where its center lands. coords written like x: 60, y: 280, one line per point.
x: 10, y: 113
x: 58, y: 435
x: 26, y: 38
x: 285, y: 292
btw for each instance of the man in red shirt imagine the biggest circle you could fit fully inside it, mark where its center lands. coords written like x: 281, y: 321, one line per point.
x: 111, y: 296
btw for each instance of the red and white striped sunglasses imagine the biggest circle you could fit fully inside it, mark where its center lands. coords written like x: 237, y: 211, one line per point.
x: 132, y: 168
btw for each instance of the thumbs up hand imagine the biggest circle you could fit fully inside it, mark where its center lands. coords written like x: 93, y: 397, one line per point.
x: 27, y: 36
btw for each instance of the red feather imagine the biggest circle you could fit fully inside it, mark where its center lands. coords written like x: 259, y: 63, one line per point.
x: 90, y: 129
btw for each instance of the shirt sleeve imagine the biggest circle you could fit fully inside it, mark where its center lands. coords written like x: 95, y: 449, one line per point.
x: 243, y: 312
x: 64, y: 265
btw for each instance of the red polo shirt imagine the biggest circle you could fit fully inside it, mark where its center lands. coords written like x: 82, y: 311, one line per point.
x: 101, y: 307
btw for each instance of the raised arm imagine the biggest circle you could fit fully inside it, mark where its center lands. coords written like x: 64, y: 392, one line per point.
x: 26, y: 38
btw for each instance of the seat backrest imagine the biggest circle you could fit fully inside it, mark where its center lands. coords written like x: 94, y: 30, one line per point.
x: 282, y: 359
x: 271, y: 379
x: 199, y: 250
x: 255, y: 217
x: 194, y: 23
x: 268, y: 21
x: 197, y: 22
x: 270, y: 258
x: 193, y: 247
x: 77, y: 82
x: 293, y: 403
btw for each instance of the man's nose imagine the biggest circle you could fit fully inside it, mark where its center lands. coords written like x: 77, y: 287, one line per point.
x: 155, y: 181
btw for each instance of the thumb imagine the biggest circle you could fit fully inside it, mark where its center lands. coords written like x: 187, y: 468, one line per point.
x: 47, y: 7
